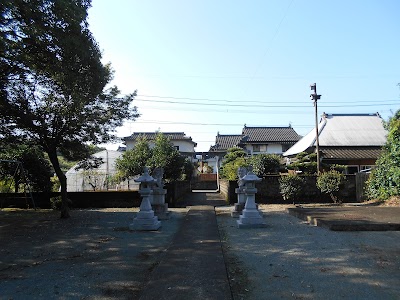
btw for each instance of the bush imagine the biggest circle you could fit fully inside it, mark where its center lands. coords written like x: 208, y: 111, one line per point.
x: 291, y: 186
x: 384, y: 181
x: 55, y: 202
x: 264, y: 164
x: 233, y: 160
x: 330, y: 182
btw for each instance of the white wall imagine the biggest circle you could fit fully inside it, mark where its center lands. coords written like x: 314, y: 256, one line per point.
x: 274, y: 148
x: 184, y: 146
x: 270, y: 148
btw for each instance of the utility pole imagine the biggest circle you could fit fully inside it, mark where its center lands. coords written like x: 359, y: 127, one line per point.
x: 315, y: 98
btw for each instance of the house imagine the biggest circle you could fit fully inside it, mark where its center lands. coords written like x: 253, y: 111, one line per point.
x: 354, y: 140
x: 257, y: 140
x: 181, y: 142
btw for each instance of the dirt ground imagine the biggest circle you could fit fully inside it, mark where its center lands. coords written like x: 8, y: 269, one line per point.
x: 290, y: 259
x: 92, y: 255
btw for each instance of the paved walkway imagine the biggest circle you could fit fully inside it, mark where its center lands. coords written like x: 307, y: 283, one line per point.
x: 193, y: 266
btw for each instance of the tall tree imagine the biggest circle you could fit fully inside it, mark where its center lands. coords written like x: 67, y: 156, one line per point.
x: 53, y: 84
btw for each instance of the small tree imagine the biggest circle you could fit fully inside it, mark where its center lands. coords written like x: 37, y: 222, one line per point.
x: 163, y: 155
x: 291, y: 186
x: 166, y: 156
x: 133, y: 161
x: 330, y: 183
x: 187, y: 169
x: 264, y: 164
x: 306, y: 163
x: 235, y: 158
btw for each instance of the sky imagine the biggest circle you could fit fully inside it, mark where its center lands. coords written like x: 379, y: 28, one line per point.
x: 208, y: 67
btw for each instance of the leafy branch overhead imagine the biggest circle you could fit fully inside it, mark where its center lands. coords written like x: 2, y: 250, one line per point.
x: 54, y: 89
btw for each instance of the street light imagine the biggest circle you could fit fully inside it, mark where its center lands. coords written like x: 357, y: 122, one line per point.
x: 314, y: 97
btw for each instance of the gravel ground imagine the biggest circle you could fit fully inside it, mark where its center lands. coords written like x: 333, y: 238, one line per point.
x: 92, y: 255
x: 293, y: 260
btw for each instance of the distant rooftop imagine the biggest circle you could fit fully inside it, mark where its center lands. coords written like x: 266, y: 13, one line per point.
x: 173, y: 136
x: 282, y: 135
x: 344, y: 130
x: 225, y: 142
x: 255, y: 135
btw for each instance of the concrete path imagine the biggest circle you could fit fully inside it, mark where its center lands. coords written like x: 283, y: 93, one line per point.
x: 193, y: 266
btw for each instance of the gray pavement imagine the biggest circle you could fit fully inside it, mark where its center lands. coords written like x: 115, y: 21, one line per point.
x: 193, y: 265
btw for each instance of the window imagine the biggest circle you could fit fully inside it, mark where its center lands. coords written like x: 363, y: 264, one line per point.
x: 351, y: 170
x: 256, y: 148
x: 177, y: 147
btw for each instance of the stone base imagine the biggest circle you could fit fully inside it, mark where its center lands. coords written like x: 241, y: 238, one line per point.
x: 161, y: 211
x: 237, y: 210
x: 145, y: 224
x: 251, y: 218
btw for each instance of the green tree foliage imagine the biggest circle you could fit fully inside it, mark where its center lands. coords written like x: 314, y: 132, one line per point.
x: 53, y: 83
x: 330, y: 183
x: 306, y: 163
x: 36, y: 166
x: 264, y: 164
x: 187, y: 169
x: 291, y: 186
x: 163, y: 155
x: 166, y: 156
x: 133, y: 161
x: 384, y: 181
x: 232, y: 161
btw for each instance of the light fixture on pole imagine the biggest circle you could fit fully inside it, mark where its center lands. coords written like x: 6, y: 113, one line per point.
x: 314, y: 97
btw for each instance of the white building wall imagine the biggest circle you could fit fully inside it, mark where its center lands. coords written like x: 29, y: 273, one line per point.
x: 274, y: 148
x: 184, y: 146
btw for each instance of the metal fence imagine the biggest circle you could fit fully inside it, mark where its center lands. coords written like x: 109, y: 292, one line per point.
x: 97, y: 181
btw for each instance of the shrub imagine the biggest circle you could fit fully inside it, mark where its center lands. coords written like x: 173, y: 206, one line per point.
x: 55, y: 202
x: 264, y: 164
x: 384, y: 181
x: 330, y: 182
x: 291, y: 186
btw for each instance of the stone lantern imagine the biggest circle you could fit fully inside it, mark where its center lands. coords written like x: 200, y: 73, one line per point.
x: 241, y: 196
x: 145, y: 219
x: 251, y: 217
x: 157, y: 200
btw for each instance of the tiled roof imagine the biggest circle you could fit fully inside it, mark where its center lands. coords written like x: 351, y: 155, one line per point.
x: 344, y: 130
x: 279, y: 135
x: 173, y: 136
x: 224, y: 142
x: 351, y: 152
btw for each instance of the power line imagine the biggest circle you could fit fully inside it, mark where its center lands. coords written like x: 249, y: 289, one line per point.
x: 208, y: 124
x: 261, y: 106
x: 269, y: 46
x: 252, y: 101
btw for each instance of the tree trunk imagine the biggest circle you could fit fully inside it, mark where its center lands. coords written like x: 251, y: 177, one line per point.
x: 63, y: 182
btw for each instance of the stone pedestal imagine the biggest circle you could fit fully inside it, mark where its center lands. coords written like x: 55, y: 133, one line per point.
x: 145, y: 219
x: 239, y: 206
x: 251, y: 217
x: 158, y: 204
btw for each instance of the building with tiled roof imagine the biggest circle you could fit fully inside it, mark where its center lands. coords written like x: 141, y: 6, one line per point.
x: 257, y: 140
x: 184, y: 144
x: 354, y: 140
